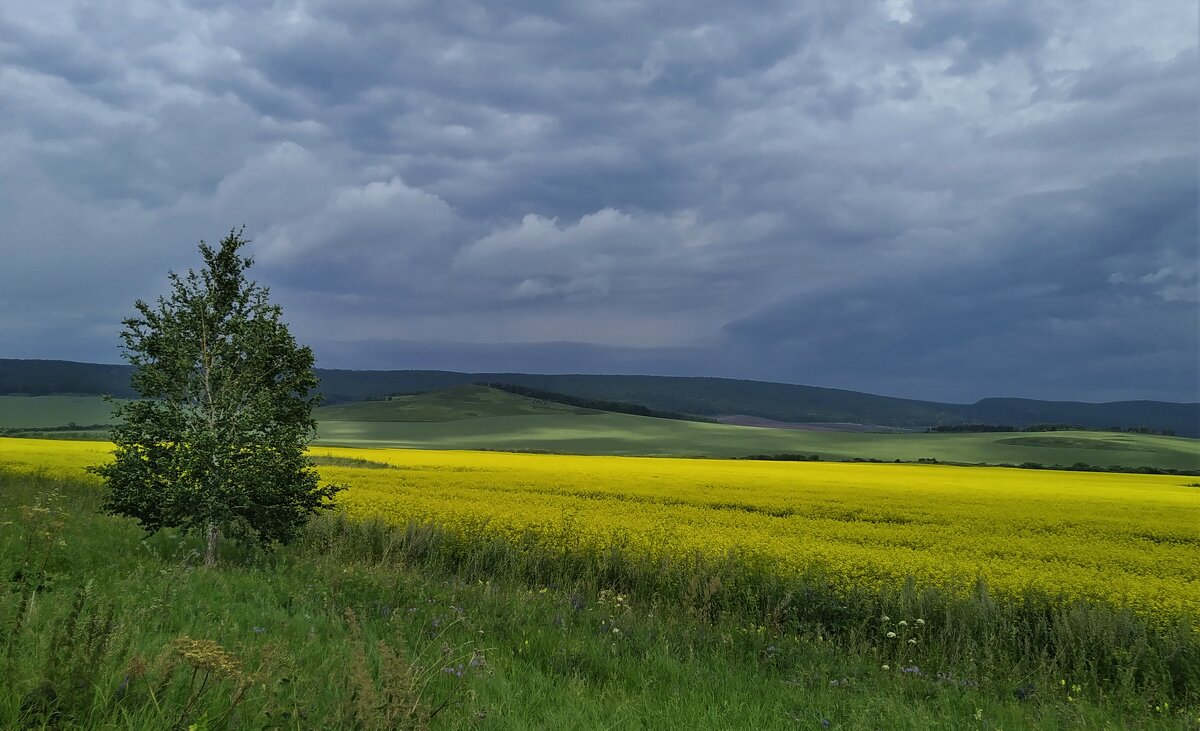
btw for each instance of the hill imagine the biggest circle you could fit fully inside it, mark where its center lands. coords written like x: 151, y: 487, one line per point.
x: 451, y: 404
x: 622, y: 434
x: 478, y: 417
x: 690, y: 395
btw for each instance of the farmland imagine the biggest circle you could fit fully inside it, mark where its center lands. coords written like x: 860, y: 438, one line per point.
x: 1128, y: 540
x: 476, y: 418
x: 757, y: 593
x: 39, y: 412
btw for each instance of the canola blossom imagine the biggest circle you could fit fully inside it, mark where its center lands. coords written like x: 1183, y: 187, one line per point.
x: 1130, y: 540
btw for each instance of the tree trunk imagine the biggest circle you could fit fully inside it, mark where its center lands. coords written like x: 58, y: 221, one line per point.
x: 214, y: 534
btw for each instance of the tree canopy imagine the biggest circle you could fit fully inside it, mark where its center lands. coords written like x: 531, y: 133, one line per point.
x: 216, y: 444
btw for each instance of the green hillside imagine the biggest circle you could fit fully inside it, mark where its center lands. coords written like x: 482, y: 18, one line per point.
x: 452, y: 404
x: 700, y: 396
x: 46, y: 412
x: 478, y: 417
x: 622, y: 434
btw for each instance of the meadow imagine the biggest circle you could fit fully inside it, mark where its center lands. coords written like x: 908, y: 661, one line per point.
x: 479, y: 418
x: 924, y: 595
x: 39, y: 412
x: 621, y: 434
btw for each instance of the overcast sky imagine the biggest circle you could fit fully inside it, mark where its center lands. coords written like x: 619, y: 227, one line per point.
x: 942, y: 199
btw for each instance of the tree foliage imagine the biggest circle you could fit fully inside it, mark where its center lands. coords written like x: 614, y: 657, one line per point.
x: 216, y: 443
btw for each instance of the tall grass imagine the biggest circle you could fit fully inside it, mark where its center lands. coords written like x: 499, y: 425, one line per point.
x: 367, y: 625
x: 1035, y: 635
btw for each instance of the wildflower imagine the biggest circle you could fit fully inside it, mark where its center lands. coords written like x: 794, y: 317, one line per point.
x: 886, y: 618
x: 902, y: 623
x: 912, y: 640
x: 206, y: 655
x: 891, y: 635
x: 920, y: 623
x: 887, y: 667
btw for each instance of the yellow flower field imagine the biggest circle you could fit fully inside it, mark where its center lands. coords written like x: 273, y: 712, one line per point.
x: 1133, y: 540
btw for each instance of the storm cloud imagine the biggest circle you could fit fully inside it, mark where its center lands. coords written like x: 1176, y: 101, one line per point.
x: 924, y: 198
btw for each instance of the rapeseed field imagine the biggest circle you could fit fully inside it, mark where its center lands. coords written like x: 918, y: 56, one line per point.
x: 1128, y: 540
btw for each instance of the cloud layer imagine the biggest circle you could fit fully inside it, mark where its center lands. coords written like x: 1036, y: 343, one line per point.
x: 926, y: 198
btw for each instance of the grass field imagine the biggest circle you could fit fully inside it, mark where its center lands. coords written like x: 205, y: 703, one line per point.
x: 38, y: 412
x: 621, y: 434
x: 452, y: 404
x: 652, y: 593
x: 476, y: 418
x: 112, y: 631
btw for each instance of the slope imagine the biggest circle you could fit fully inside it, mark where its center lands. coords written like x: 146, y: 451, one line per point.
x: 693, y: 395
x: 451, y: 404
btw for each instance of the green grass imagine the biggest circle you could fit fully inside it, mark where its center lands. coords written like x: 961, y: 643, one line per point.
x: 452, y: 404
x: 39, y: 412
x: 711, y: 648
x: 477, y: 417
x: 702, y: 396
x: 634, y: 435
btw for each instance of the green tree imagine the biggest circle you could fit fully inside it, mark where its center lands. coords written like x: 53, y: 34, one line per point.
x: 216, y: 444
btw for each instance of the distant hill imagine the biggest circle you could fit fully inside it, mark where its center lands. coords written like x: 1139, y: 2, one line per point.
x: 46, y: 377
x: 691, y: 395
x: 450, y: 404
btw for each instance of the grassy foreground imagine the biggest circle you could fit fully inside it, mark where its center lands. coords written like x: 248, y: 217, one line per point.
x: 362, y: 625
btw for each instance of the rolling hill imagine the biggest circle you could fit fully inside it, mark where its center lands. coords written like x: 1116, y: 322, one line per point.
x: 692, y: 395
x: 478, y: 417
x: 451, y: 404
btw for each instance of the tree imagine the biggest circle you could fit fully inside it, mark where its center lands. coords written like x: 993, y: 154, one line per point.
x: 216, y: 443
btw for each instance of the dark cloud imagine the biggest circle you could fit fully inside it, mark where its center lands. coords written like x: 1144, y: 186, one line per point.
x: 921, y: 197
x: 978, y: 32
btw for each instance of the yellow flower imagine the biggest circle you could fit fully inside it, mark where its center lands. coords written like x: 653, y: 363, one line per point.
x: 207, y: 655
x: 1127, y: 539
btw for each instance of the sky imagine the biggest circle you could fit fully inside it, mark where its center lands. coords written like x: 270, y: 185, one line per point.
x: 934, y: 199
